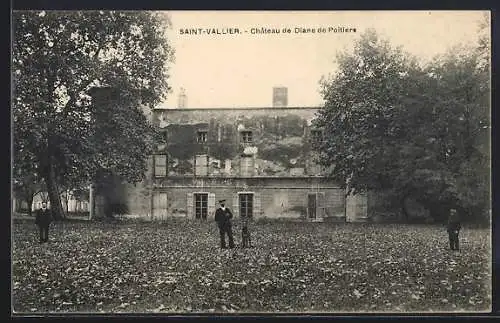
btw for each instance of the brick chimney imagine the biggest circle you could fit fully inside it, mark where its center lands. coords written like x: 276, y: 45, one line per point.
x: 280, y: 97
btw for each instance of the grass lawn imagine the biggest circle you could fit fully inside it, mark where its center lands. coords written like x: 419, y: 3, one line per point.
x: 294, y: 267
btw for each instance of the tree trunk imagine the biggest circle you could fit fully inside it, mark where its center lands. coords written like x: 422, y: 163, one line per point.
x: 403, y: 208
x: 29, y: 201
x: 66, y: 199
x: 54, y: 197
x: 91, y: 201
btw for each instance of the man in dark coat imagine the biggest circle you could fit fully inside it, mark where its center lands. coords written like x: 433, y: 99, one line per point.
x: 43, y: 220
x: 453, y: 229
x: 223, y: 218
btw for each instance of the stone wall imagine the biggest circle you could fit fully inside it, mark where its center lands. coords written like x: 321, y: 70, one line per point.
x: 273, y: 197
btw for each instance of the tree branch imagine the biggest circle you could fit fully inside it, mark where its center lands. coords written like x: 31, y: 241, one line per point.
x: 72, y: 98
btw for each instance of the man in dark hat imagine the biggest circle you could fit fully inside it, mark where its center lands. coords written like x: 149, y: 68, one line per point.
x: 453, y: 229
x: 223, y: 218
x: 43, y: 220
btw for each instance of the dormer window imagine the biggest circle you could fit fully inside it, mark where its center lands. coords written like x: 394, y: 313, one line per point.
x: 201, y: 136
x: 246, y: 136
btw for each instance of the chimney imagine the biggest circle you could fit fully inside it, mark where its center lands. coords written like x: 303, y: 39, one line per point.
x: 280, y: 97
x: 182, y: 99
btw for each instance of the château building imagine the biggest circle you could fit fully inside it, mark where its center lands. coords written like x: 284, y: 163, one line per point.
x: 260, y: 160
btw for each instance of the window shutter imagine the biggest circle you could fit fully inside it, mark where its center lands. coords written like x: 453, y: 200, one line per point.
x: 211, y: 204
x: 320, y: 206
x: 227, y: 166
x: 159, y: 205
x: 156, y: 202
x: 189, y: 208
x: 243, y: 169
x: 363, y: 206
x: 257, y: 205
x: 163, y: 202
x: 236, y: 206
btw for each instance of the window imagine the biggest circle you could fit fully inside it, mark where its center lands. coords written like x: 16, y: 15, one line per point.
x: 160, y: 165
x: 201, y: 165
x: 202, y: 136
x: 315, y: 205
x: 246, y: 166
x: 316, y: 135
x: 246, y: 205
x: 201, y: 205
x: 246, y: 136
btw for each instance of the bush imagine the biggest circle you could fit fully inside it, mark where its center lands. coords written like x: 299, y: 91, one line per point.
x: 118, y: 208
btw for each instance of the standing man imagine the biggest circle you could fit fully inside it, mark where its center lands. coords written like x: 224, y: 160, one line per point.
x: 43, y: 220
x: 453, y: 229
x: 223, y: 218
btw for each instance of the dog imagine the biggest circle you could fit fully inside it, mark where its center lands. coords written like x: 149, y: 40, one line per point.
x: 245, y: 237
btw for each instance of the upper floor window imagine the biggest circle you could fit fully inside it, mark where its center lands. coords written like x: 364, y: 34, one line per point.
x: 201, y: 165
x: 247, y: 166
x: 201, y: 136
x: 160, y: 165
x: 246, y: 136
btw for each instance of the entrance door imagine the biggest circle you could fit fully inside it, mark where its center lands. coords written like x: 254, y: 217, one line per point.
x: 311, y: 206
x: 246, y: 205
x: 201, y: 205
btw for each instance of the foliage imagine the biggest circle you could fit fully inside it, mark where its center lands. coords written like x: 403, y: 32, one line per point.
x: 117, y: 209
x: 280, y: 154
x: 294, y: 267
x: 58, y: 57
x: 412, y: 131
x: 26, y: 186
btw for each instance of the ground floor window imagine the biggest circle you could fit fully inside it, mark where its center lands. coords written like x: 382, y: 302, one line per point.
x: 246, y: 204
x: 201, y: 205
x: 315, y: 205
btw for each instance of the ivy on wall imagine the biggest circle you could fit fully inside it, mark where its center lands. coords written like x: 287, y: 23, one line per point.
x: 281, y: 143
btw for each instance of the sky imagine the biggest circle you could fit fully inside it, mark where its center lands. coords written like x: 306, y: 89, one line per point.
x: 240, y: 70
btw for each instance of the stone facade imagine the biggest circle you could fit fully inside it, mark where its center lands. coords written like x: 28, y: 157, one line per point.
x: 260, y: 160
x: 272, y: 197
x: 278, y: 141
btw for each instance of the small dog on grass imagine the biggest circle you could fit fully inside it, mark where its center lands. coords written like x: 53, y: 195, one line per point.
x: 246, y: 241
x: 245, y: 237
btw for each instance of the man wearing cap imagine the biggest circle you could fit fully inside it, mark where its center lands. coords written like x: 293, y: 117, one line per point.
x: 223, y: 218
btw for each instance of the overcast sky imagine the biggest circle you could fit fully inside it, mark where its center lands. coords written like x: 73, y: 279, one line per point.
x: 240, y: 70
